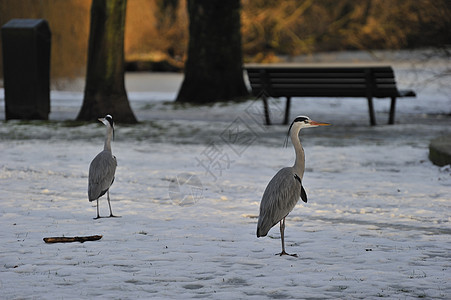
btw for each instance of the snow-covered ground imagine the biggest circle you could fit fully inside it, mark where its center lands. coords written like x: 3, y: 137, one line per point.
x: 188, y: 186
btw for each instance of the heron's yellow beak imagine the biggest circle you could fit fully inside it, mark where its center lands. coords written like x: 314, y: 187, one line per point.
x: 319, y: 123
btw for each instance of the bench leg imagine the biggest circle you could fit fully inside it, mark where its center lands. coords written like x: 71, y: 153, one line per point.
x: 391, y: 118
x: 266, y: 109
x: 371, y: 112
x: 287, y: 111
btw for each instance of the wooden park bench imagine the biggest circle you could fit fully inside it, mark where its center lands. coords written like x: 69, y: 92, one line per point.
x: 326, y: 81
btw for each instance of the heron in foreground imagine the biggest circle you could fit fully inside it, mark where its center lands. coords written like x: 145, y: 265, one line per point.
x: 285, y: 188
x: 102, y: 168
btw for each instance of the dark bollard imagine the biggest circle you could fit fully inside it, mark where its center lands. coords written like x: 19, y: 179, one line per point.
x: 26, y: 69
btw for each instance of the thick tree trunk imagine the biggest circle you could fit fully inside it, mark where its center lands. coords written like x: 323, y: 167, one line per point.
x: 105, y: 88
x: 214, y: 68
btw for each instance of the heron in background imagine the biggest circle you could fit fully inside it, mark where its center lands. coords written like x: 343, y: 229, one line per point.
x: 285, y: 188
x: 102, y: 168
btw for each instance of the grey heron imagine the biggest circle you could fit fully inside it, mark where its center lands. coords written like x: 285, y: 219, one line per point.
x: 103, y: 168
x: 285, y: 188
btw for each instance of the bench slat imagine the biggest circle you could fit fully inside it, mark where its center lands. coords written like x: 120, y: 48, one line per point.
x: 317, y: 80
x: 356, y: 92
x: 301, y: 87
x: 319, y: 69
x: 257, y: 76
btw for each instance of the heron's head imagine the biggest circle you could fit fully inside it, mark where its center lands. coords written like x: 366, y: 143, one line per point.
x: 303, y: 122
x: 108, y: 121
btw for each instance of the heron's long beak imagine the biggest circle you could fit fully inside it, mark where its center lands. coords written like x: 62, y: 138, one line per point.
x: 319, y: 123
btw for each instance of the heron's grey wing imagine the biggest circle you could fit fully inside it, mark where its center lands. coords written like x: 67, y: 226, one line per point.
x: 279, y: 198
x: 101, y: 174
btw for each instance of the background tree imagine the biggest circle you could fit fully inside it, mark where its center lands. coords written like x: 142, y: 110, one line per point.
x: 214, y: 67
x: 105, y: 88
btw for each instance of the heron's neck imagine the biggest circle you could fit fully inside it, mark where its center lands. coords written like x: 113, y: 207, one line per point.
x: 109, y: 136
x: 299, y: 164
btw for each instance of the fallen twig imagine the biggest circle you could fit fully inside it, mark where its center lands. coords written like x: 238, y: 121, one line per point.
x: 67, y: 239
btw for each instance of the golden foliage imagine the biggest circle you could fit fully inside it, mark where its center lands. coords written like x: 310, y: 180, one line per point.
x: 153, y: 28
x: 69, y: 23
x: 159, y: 28
x: 298, y: 27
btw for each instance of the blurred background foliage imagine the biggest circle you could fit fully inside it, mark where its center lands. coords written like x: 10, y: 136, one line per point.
x: 156, y: 31
x: 303, y: 27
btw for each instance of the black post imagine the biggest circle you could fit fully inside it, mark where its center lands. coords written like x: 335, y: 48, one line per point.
x: 369, y: 94
x: 26, y: 68
x: 287, y: 111
x: 371, y: 112
x: 266, y: 109
x: 391, y: 118
x: 266, y: 90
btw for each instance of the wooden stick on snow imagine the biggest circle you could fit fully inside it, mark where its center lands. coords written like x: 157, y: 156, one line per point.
x: 67, y: 239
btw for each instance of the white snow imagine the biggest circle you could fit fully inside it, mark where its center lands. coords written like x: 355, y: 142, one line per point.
x: 377, y: 223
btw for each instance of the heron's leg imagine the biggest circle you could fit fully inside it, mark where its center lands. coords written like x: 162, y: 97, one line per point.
x: 282, y: 237
x: 109, y: 204
x: 282, y: 234
x: 98, y: 216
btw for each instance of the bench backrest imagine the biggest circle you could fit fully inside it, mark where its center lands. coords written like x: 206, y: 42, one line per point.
x: 323, y: 81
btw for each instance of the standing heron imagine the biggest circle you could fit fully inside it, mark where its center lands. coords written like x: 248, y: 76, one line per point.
x: 285, y: 188
x: 102, y: 168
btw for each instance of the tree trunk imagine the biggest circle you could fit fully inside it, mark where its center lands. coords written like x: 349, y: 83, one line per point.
x: 214, y: 68
x: 105, y: 88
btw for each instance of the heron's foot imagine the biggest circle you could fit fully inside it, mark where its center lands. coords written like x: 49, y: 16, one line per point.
x: 284, y: 253
x: 110, y: 216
